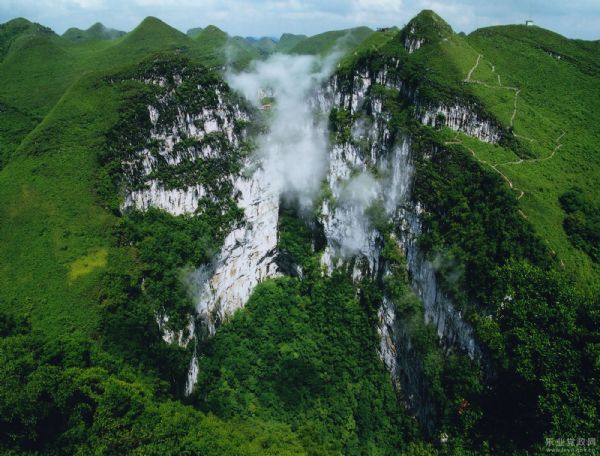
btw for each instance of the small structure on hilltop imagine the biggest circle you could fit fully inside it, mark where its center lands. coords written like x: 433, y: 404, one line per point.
x: 528, y: 22
x: 384, y: 29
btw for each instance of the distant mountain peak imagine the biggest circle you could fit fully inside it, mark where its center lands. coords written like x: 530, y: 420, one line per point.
x: 98, y: 31
x: 152, y: 20
x: 155, y: 27
x: 194, y: 32
x: 212, y: 29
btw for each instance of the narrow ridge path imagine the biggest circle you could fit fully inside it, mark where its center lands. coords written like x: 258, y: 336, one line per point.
x: 473, y: 69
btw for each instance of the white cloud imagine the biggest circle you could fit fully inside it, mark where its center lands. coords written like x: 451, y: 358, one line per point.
x: 294, y: 151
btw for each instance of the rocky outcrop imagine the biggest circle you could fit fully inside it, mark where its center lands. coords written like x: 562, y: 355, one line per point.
x: 463, y: 119
x: 248, y: 255
x: 411, y: 42
x: 181, y: 337
x: 350, y: 94
x: 197, y: 134
x: 180, y: 135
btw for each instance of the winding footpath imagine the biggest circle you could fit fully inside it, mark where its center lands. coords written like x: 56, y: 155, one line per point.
x: 516, y: 90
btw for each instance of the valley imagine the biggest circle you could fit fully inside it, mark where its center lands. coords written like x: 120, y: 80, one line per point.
x: 395, y: 257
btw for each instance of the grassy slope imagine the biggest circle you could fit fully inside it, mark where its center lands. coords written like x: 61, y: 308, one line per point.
x: 40, y: 66
x: 370, y: 44
x: 54, y: 237
x: 554, y: 97
x: 13, y: 29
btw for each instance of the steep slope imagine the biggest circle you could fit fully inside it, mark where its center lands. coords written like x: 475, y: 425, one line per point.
x: 407, y: 200
x: 16, y: 28
x: 538, y: 161
x: 70, y: 284
x: 33, y: 75
x: 460, y: 282
x: 33, y: 59
x: 152, y: 34
x: 425, y: 28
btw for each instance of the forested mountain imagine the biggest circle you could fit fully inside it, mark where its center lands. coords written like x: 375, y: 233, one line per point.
x: 361, y: 242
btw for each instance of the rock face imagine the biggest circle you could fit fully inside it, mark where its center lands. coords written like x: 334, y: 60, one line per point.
x: 369, y: 167
x: 179, y: 136
x: 293, y: 139
x: 463, y: 119
x: 247, y: 256
x: 190, y: 135
x: 182, y: 137
x: 182, y: 337
x: 411, y: 42
x: 351, y: 236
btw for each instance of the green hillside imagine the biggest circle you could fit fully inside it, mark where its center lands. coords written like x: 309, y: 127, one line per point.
x: 194, y: 32
x: 18, y: 28
x: 287, y: 41
x: 555, y: 120
x: 533, y: 82
x: 324, y: 43
x: 265, y: 46
x: 47, y: 191
x: 234, y: 50
x: 151, y: 35
x: 39, y: 66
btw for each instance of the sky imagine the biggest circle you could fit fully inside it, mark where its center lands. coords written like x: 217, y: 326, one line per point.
x: 574, y: 18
